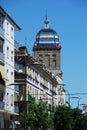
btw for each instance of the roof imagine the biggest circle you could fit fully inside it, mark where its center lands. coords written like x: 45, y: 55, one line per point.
x: 6, y: 15
x: 46, y: 38
x: 26, y: 59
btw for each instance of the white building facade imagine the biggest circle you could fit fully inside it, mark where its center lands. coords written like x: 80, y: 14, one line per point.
x: 7, y: 44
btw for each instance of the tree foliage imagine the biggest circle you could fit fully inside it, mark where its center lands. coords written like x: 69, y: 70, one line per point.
x: 62, y: 118
x: 37, y: 116
x: 66, y: 118
x: 79, y: 120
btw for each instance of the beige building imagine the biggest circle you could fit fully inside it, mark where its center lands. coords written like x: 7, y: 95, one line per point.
x: 34, y: 81
x: 47, y: 50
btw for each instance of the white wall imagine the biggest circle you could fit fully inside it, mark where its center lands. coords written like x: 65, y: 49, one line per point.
x: 9, y: 63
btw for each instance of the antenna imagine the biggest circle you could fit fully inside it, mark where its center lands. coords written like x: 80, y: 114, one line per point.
x: 25, y: 41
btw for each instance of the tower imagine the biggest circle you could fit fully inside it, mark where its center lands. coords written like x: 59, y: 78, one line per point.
x: 47, y: 48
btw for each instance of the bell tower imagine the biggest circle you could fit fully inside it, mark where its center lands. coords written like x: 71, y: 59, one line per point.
x: 47, y: 48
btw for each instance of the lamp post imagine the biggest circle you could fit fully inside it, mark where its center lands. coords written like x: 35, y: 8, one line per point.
x: 68, y: 97
x: 78, y: 101
x: 25, y: 104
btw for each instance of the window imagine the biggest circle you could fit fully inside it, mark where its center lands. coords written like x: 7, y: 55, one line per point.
x: 1, y: 123
x: 11, y: 32
x: 40, y: 55
x: 7, y: 52
x: 11, y: 76
x: 11, y: 55
x: 7, y: 28
x: 1, y: 45
x: 7, y: 70
x: 11, y: 100
x: 48, y: 60
x: 54, y: 63
x: 1, y: 95
x: 36, y: 94
x: 7, y: 99
x: 33, y: 91
x: 54, y: 60
x: 41, y: 61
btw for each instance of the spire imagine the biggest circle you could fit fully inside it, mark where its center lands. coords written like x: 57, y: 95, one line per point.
x: 46, y: 20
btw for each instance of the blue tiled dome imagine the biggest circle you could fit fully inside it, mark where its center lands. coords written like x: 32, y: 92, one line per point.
x: 47, y: 37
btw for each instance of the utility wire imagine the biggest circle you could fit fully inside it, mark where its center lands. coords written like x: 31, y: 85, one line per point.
x: 76, y: 94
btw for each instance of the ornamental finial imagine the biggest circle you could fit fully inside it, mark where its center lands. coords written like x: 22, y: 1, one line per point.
x: 46, y: 20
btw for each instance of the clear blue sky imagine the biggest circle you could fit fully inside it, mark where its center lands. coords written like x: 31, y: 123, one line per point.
x: 69, y: 19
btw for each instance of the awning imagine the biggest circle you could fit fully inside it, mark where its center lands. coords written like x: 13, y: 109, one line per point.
x: 9, y: 113
x: 3, y: 73
x: 12, y: 113
x: 17, y: 122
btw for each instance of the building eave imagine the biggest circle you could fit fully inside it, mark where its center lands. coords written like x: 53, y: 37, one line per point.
x: 6, y: 15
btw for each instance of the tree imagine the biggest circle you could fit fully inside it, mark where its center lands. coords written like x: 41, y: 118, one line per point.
x: 37, y: 116
x: 66, y: 118
x: 79, y: 119
x: 62, y: 118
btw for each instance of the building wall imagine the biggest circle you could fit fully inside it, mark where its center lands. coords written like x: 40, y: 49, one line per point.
x: 39, y: 82
x: 38, y: 85
x: 9, y: 63
x: 61, y: 91
x: 7, y: 30
x: 50, y: 58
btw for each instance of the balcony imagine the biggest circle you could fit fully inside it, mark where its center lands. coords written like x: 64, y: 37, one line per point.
x: 1, y: 31
x: 18, y: 67
x: 16, y: 109
x: 2, y: 56
x: 16, y: 88
x: 2, y: 105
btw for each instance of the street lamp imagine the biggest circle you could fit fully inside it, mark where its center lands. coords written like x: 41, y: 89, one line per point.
x: 68, y: 97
